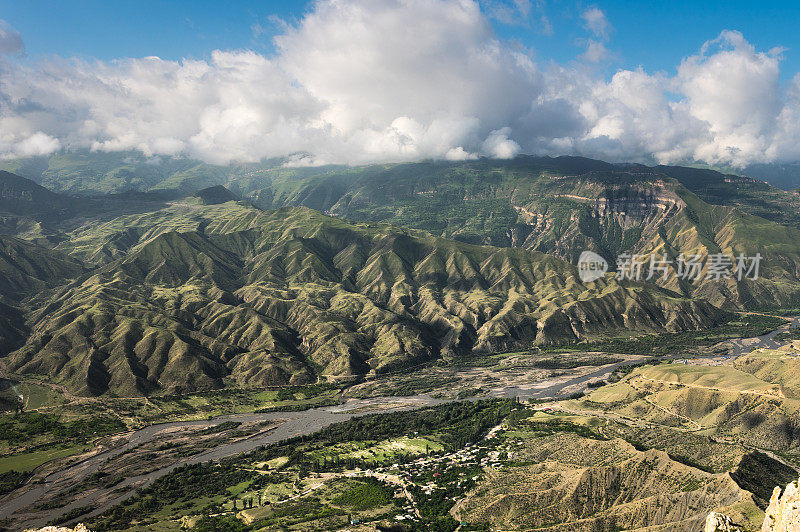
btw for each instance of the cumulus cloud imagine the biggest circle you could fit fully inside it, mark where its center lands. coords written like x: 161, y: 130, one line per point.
x: 735, y: 91
x: 36, y: 144
x: 499, y: 146
x: 459, y: 154
x: 394, y: 80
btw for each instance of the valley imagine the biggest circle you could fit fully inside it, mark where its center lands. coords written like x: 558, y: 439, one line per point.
x: 405, y: 347
x: 88, y: 485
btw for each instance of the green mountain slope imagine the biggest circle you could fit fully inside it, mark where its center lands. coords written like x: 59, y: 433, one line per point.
x: 20, y: 196
x: 749, y: 195
x: 454, y: 186
x: 565, y: 205
x: 26, y: 269
x: 202, y: 292
x: 104, y: 173
x: 559, y: 206
x: 93, y: 173
x: 34, y: 213
x: 214, y: 195
x: 256, y: 298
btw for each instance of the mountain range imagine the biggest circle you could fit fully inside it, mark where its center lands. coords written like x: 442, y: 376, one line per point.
x: 292, y: 275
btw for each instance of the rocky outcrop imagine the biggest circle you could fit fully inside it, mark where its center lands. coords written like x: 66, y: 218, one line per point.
x: 78, y: 528
x: 720, y: 523
x: 783, y: 512
x: 569, y: 483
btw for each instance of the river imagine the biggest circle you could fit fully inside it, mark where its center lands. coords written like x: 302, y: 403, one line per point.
x: 289, y: 424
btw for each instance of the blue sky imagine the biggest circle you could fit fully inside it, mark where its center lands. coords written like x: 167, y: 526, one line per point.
x: 655, y: 35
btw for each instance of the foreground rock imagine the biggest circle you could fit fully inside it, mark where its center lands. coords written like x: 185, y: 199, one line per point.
x: 783, y: 512
x: 720, y: 523
x: 78, y: 528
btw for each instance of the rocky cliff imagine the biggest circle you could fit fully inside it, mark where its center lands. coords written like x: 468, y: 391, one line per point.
x: 783, y: 512
x: 720, y: 523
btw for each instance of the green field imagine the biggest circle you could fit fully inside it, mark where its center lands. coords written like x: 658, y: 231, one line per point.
x: 735, y: 326
x: 31, y: 460
x: 39, y: 396
x: 378, y: 450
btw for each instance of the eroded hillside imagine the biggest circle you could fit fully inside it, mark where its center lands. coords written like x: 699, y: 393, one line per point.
x: 200, y: 296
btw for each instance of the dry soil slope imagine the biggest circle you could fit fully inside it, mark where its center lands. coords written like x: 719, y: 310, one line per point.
x: 567, y: 482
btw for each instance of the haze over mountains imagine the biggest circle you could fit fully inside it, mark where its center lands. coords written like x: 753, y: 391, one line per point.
x: 96, y: 172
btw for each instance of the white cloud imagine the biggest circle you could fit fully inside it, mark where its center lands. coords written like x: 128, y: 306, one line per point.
x: 736, y: 92
x: 10, y: 40
x: 596, y: 51
x: 515, y: 12
x: 595, y: 21
x: 36, y: 144
x: 499, y: 146
x: 459, y: 154
x: 393, y: 80
x: 545, y: 25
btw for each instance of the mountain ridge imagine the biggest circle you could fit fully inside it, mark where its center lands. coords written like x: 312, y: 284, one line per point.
x: 290, y: 295
x: 221, y: 290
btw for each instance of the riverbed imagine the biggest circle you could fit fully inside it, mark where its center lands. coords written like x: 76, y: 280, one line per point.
x: 283, y: 425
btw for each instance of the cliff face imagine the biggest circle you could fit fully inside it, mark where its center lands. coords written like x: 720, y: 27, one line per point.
x: 565, y: 206
x: 783, y: 512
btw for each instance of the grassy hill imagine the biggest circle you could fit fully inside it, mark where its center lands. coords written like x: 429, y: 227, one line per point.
x: 559, y: 206
x: 214, y: 195
x: 20, y: 196
x: 26, y: 269
x: 105, y: 173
